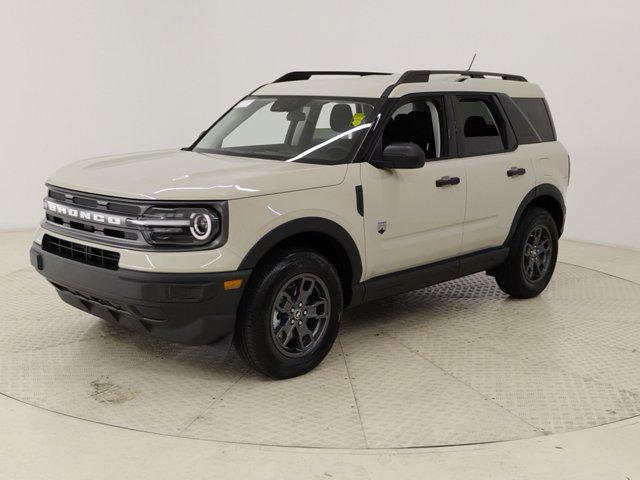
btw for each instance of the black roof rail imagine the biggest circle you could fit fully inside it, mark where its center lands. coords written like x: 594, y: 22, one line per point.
x: 419, y: 76
x: 415, y: 76
x: 306, y: 75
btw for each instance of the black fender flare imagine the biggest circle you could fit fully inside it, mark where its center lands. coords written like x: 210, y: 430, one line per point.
x: 545, y: 189
x: 306, y: 225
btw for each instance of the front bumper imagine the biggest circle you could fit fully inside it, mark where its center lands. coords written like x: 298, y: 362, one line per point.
x: 188, y: 308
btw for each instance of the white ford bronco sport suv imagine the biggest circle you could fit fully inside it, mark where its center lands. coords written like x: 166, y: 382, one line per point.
x: 308, y: 196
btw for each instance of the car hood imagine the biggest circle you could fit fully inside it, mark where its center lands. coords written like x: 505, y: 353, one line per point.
x: 185, y: 175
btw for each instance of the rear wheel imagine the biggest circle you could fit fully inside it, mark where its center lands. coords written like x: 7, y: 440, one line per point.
x: 290, y: 313
x: 532, y: 255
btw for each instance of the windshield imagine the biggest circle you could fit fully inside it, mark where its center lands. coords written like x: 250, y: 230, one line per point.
x: 293, y: 129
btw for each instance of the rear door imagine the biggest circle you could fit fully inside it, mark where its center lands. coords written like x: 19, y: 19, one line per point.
x: 499, y: 175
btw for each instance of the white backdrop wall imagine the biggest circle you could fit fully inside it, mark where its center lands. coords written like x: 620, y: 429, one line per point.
x: 88, y: 78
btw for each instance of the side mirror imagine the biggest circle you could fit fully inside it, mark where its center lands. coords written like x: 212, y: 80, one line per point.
x: 401, y: 155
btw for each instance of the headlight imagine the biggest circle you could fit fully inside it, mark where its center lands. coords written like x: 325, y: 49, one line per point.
x: 201, y: 225
x: 182, y: 226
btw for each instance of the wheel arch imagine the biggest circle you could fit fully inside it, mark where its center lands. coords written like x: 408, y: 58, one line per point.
x: 323, y: 235
x: 545, y: 196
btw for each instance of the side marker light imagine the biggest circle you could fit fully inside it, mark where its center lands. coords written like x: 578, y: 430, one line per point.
x: 232, y: 284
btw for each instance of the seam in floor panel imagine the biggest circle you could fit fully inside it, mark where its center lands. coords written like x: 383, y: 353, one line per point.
x: 353, y: 392
x: 449, y: 374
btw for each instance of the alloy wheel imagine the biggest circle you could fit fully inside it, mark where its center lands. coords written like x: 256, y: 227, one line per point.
x: 300, y: 315
x: 538, y: 250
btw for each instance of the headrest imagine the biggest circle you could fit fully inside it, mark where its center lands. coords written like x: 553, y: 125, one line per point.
x: 401, y: 121
x: 475, y: 126
x: 340, y: 119
x: 421, y: 119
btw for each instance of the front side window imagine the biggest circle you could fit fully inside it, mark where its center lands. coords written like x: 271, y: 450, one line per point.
x: 420, y: 122
x: 294, y: 129
x: 482, y: 130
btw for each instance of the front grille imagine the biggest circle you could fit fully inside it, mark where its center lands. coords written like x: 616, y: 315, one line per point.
x: 122, y: 235
x: 81, y: 253
x: 96, y: 202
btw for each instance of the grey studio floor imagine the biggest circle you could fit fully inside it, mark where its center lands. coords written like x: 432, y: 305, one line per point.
x: 446, y: 382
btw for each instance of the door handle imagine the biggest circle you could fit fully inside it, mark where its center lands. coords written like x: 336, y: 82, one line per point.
x: 515, y: 171
x: 444, y: 181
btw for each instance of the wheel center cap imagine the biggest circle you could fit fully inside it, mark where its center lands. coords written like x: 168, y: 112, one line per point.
x: 297, y: 314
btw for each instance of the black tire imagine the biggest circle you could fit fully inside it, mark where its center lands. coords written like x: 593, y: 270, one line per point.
x: 517, y: 277
x: 255, y: 337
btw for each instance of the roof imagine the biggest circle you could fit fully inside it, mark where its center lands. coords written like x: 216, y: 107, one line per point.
x: 375, y: 85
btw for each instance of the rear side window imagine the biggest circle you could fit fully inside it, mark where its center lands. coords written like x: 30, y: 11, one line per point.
x: 483, y: 131
x: 538, y: 114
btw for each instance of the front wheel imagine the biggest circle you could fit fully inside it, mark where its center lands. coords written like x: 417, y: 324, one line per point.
x: 290, y: 313
x: 532, y: 256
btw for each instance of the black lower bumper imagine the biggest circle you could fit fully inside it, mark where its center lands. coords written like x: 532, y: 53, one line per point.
x: 188, y: 308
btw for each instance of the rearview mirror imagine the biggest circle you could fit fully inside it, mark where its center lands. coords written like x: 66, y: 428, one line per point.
x: 296, y: 116
x: 401, y: 155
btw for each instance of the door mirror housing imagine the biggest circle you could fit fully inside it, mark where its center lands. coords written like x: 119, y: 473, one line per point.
x: 401, y: 155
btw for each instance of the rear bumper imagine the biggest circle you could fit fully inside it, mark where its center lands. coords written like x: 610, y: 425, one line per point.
x: 188, y: 308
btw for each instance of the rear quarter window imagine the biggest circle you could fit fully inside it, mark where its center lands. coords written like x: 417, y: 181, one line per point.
x: 522, y: 127
x: 537, y: 112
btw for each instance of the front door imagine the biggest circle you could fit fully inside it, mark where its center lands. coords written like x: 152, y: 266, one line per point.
x: 415, y: 217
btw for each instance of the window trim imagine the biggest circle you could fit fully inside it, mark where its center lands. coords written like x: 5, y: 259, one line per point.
x: 553, y: 125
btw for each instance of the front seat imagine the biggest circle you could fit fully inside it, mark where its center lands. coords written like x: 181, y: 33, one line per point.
x: 415, y: 127
x: 340, y: 118
x: 421, y: 132
x: 396, y: 130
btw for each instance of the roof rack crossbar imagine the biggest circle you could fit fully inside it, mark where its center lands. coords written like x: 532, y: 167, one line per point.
x: 416, y: 76
x: 306, y: 75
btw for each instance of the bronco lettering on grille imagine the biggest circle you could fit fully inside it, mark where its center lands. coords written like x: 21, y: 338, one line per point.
x: 82, y: 214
